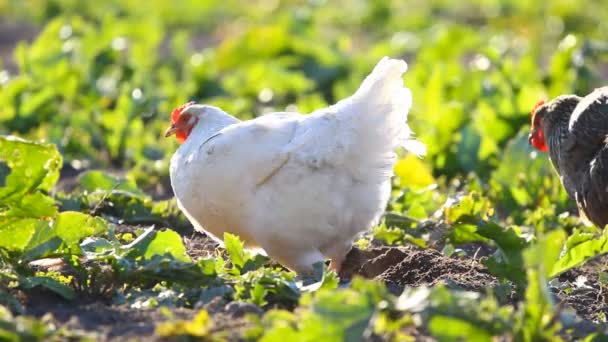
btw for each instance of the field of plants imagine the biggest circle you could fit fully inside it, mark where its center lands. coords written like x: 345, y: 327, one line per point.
x: 479, y: 241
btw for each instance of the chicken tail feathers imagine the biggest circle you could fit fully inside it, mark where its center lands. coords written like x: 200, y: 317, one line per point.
x: 380, y: 108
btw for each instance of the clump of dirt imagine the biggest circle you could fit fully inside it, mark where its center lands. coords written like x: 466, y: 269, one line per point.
x: 399, y: 267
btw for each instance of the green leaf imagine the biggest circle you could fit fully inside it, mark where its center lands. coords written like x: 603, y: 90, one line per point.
x: 98, y: 180
x: 509, y: 264
x: 447, y: 328
x: 321, y: 277
x: 536, y: 322
x: 580, y: 247
x: 258, y: 295
x: 463, y: 233
x: 544, y: 254
x: 468, y: 209
x: 73, y: 226
x: 50, y: 283
x: 523, y: 173
x: 388, y: 235
x: 134, y: 209
x: 234, y: 247
x: 329, y: 314
x: 44, y: 249
x: 28, y: 170
x: 96, y: 246
x: 32, y: 205
x: 15, y: 235
x: 33, y: 166
x: 154, y: 243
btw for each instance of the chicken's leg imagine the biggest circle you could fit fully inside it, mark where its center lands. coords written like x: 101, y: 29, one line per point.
x: 337, y: 253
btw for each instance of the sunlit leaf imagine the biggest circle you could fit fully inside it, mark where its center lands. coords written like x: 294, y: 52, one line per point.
x: 234, y: 247
x: 158, y: 243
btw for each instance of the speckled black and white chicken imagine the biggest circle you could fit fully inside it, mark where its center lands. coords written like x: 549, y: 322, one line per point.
x: 574, y: 131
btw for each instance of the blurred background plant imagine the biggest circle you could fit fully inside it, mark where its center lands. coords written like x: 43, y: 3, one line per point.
x: 99, y: 80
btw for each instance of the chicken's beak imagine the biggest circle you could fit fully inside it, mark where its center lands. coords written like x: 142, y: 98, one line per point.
x: 170, y: 131
x: 530, y: 139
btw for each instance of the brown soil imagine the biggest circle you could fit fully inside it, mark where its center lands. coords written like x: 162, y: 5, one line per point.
x: 200, y: 246
x: 582, y: 289
x: 105, y: 322
x: 399, y: 267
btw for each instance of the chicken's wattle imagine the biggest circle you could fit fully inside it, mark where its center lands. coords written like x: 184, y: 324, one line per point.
x: 537, y: 140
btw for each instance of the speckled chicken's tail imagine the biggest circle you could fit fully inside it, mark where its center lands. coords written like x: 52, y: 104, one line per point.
x: 379, y: 109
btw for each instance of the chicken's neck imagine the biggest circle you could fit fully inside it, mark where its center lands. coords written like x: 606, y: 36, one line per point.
x: 556, y: 120
x: 206, y: 128
x: 556, y: 132
x: 568, y: 162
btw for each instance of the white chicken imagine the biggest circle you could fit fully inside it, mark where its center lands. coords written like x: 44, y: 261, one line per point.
x: 300, y: 187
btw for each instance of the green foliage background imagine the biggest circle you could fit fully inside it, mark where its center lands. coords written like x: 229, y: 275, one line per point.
x: 98, y: 81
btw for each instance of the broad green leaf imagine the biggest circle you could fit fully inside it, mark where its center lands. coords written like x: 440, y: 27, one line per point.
x: 73, y: 226
x: 388, y: 235
x: 156, y: 243
x: 136, y: 209
x: 33, y: 166
x: 509, y: 264
x: 51, y: 284
x: 96, y: 246
x: 446, y: 328
x: 492, y: 129
x: 580, y: 247
x: 258, y: 294
x: 468, y: 209
x: 15, y: 235
x: 43, y: 249
x: 168, y: 242
x: 463, y: 233
x: 34, y: 205
x: 99, y: 180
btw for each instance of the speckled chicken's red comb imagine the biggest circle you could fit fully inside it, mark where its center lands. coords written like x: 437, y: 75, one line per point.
x: 538, y: 104
x: 178, y: 111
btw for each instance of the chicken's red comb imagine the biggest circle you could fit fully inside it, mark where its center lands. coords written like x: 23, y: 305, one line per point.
x: 178, y: 111
x: 538, y: 104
